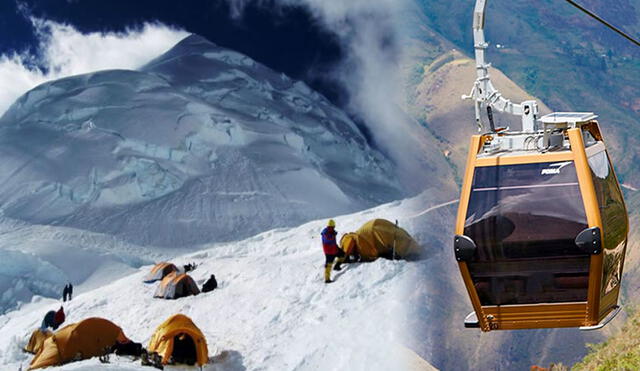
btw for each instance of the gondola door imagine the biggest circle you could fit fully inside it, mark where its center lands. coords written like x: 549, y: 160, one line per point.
x: 614, y: 221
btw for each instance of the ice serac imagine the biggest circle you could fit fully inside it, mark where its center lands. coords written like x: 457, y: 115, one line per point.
x: 202, y: 144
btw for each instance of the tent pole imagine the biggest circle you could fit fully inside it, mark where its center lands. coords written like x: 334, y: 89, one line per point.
x: 394, y: 240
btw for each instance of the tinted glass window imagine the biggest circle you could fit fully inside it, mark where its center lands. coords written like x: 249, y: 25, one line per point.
x: 524, y: 220
x: 614, y: 219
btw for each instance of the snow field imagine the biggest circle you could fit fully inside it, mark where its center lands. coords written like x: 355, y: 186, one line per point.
x: 40, y: 260
x: 271, y: 311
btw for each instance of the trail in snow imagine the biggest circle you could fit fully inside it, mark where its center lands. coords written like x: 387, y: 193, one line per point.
x: 432, y: 208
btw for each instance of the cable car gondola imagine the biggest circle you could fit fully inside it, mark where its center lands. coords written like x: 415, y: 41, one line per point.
x: 541, y: 229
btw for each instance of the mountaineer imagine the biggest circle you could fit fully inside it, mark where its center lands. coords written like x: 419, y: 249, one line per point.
x: 53, y: 319
x: 210, y: 285
x: 331, y: 250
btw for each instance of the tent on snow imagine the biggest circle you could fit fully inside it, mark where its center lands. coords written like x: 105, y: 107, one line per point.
x: 160, y: 271
x: 179, y: 340
x: 377, y: 238
x: 83, y: 340
x: 176, y: 285
x: 37, y: 340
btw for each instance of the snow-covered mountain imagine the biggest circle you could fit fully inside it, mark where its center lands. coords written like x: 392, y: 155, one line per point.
x: 272, y: 310
x: 202, y: 144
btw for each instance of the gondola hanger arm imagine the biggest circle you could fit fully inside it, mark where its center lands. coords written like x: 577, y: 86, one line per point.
x: 483, y: 91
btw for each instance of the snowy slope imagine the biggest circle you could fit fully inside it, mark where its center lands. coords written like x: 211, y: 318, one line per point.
x: 272, y: 311
x: 40, y: 260
x: 203, y: 144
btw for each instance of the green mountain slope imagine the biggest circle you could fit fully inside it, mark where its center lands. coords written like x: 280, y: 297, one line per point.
x: 552, y: 52
x: 563, y: 57
x: 620, y: 352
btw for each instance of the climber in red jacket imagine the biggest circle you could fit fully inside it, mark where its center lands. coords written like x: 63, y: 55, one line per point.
x: 331, y: 250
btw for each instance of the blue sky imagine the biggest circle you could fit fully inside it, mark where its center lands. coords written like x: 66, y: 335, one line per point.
x: 286, y: 38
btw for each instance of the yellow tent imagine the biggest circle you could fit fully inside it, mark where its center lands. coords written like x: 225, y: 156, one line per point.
x: 160, y: 271
x: 179, y: 339
x: 37, y: 339
x: 83, y: 340
x: 176, y: 285
x: 379, y: 238
x: 348, y: 243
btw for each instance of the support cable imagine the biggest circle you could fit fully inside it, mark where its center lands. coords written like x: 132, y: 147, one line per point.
x: 596, y: 17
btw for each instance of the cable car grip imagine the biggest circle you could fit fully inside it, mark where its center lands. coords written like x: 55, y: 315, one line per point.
x: 590, y: 240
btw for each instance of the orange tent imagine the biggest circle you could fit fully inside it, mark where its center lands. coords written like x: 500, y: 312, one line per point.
x: 178, y: 338
x: 159, y: 271
x: 37, y: 340
x: 380, y: 238
x: 176, y: 286
x: 83, y: 340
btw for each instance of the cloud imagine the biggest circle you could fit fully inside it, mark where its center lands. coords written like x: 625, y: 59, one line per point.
x: 64, y: 51
x: 371, y: 33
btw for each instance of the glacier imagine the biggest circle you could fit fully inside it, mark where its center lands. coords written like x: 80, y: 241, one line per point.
x: 201, y: 144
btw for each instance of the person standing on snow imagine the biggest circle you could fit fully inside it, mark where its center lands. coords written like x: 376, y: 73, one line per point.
x: 65, y: 292
x: 70, y: 290
x: 331, y: 250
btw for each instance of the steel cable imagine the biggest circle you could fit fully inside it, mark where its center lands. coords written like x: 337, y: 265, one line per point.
x: 596, y: 17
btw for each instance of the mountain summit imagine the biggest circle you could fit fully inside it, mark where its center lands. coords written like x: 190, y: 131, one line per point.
x: 201, y: 144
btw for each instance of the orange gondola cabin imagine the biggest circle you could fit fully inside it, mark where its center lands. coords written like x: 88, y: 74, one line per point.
x: 541, y: 229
